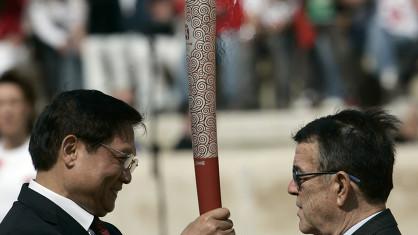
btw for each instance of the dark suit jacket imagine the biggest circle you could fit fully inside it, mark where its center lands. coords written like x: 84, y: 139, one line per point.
x: 382, y: 224
x: 34, y: 214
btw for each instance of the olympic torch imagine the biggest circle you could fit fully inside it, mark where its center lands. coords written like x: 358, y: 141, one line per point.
x: 200, y: 32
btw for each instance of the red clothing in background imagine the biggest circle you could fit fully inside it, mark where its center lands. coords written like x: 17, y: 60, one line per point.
x: 11, y: 17
x: 229, y: 14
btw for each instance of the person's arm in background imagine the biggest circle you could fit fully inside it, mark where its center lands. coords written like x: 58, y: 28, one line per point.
x: 45, y: 18
x: 278, y: 15
x: 78, y: 20
x: 43, y: 26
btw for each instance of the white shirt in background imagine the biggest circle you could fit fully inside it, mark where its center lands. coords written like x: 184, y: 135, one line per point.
x: 16, y: 168
x: 398, y: 17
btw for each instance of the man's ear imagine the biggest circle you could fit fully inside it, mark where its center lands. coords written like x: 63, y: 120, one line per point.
x: 69, y: 150
x: 342, y: 187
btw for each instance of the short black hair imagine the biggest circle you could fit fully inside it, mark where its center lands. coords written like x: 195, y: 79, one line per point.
x: 91, y: 115
x: 360, y: 143
x: 16, y: 78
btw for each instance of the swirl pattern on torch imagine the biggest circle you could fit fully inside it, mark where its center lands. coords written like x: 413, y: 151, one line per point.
x: 200, y: 40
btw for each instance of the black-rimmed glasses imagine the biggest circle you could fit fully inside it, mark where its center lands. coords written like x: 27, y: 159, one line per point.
x: 130, y: 161
x: 299, y: 180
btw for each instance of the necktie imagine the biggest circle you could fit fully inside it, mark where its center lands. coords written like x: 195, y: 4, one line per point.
x: 98, y: 227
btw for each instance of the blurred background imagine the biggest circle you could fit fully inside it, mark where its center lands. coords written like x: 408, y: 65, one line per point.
x: 280, y: 64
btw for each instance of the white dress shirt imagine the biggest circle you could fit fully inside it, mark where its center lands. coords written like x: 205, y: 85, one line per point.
x: 79, y: 214
x: 359, y: 224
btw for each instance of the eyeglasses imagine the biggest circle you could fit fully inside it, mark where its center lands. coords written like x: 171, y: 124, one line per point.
x: 130, y: 161
x: 297, y: 176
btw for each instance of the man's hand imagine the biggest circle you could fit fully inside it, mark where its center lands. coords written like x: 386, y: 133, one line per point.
x: 214, y: 222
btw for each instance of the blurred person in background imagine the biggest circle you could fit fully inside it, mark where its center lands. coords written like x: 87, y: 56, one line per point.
x: 154, y: 46
x: 232, y: 72
x: 12, y: 34
x: 82, y: 147
x: 353, y: 21
x: 132, y: 49
x: 268, y: 28
x: 342, y: 173
x: 392, y: 42
x: 58, y: 29
x: 103, y: 50
x: 17, y: 112
x: 325, y: 81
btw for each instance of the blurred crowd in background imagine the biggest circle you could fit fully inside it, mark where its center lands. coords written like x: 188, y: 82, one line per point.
x: 270, y: 53
x: 357, y: 52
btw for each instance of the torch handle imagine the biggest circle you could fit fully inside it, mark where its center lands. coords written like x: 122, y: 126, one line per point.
x: 208, y: 184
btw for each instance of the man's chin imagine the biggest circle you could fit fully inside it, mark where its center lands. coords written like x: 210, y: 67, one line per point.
x: 107, y: 208
x: 103, y: 212
x: 305, y: 231
x: 110, y: 207
x: 303, y: 228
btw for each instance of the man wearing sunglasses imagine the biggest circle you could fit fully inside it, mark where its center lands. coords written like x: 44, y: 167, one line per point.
x: 342, y: 174
x: 82, y: 147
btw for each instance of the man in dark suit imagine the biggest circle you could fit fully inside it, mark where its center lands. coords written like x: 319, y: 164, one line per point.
x: 342, y: 174
x: 82, y: 147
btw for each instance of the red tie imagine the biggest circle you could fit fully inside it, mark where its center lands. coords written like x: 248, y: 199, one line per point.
x: 98, y: 227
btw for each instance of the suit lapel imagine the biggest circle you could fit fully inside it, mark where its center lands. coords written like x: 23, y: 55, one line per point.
x: 50, y: 212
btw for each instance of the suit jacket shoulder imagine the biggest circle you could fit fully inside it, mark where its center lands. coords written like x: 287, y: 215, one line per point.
x: 382, y: 224
x: 35, y: 214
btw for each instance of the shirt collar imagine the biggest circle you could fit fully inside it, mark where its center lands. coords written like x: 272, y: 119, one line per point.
x: 79, y: 214
x: 359, y: 224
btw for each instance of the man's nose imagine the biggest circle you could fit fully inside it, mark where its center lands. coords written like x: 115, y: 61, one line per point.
x: 126, y: 176
x: 292, y: 188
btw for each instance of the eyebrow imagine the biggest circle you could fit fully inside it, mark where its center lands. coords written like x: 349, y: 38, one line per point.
x: 299, y: 170
x: 127, y: 150
x: 124, y: 150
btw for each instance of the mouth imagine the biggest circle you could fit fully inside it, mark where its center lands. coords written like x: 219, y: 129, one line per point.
x: 299, y: 211
x: 115, y: 192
